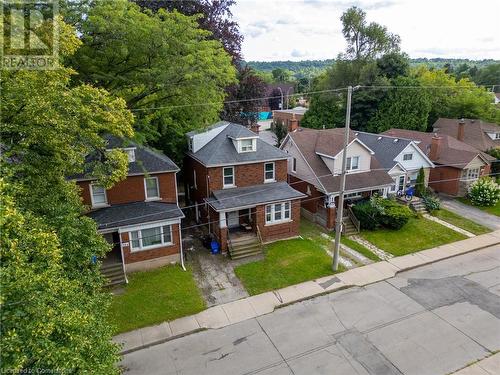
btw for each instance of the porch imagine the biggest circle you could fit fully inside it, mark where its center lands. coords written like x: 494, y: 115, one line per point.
x: 112, y: 264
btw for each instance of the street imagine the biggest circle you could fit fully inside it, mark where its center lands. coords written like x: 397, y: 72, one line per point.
x: 431, y: 320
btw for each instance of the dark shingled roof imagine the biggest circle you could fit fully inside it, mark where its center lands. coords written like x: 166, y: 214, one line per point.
x: 253, y: 195
x: 386, y: 150
x: 146, y: 159
x: 330, y: 142
x: 121, y: 215
x: 475, y: 132
x: 221, y: 151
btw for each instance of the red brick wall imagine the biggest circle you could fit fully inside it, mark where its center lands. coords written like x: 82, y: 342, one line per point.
x: 132, y: 189
x: 278, y: 231
x: 138, y: 256
x: 445, y: 179
x: 285, y: 118
x: 311, y: 202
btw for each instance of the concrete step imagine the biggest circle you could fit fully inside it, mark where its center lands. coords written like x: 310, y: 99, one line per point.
x: 114, y: 274
x: 244, y: 240
x: 245, y: 255
x: 245, y: 252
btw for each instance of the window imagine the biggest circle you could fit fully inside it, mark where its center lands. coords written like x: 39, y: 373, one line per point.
x: 294, y: 165
x: 247, y: 145
x: 151, y: 186
x: 278, y: 212
x: 269, y: 172
x: 472, y: 174
x: 98, y: 195
x: 130, y: 154
x: 228, y: 176
x: 194, y: 179
x: 353, y: 195
x: 413, y: 178
x: 352, y: 163
x: 408, y: 157
x: 190, y: 144
x: 147, y: 238
x: 497, y: 135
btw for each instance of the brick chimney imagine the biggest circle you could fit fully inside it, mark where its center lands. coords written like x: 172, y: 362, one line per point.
x: 255, y: 127
x: 435, y: 147
x: 461, y: 130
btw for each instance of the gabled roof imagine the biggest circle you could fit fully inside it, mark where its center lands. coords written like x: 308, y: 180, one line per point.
x: 147, y: 160
x: 221, y: 151
x: 386, y: 148
x: 330, y: 142
x: 453, y: 152
x: 121, y: 215
x: 253, y: 195
x: 475, y: 132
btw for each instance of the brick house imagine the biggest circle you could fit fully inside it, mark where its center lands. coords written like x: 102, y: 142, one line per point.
x: 140, y: 215
x: 238, y: 185
x: 457, y: 164
x: 290, y: 118
x: 315, y: 166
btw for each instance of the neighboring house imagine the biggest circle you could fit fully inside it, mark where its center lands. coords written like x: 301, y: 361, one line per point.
x: 315, y: 169
x: 139, y: 215
x: 457, y: 164
x: 290, y: 118
x: 401, y: 158
x: 476, y: 133
x: 238, y: 184
x: 496, y: 97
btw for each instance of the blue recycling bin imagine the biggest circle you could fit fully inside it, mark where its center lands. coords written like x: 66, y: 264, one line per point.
x: 214, y: 247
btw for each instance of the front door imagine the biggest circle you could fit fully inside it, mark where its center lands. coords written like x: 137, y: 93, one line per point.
x: 401, y: 184
x: 233, y: 220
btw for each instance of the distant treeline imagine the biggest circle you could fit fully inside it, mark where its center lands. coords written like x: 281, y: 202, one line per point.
x: 298, y: 66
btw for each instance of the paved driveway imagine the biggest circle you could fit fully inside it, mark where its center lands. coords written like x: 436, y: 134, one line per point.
x: 431, y: 320
x: 469, y: 212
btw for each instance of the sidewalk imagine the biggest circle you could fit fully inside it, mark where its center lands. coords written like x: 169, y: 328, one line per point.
x: 487, y: 366
x: 470, y: 212
x: 261, y: 304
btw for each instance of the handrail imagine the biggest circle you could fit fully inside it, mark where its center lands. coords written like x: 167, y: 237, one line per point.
x: 258, y: 234
x: 353, y: 218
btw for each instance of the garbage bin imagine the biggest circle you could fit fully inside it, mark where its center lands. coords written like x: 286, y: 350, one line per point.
x: 215, y: 248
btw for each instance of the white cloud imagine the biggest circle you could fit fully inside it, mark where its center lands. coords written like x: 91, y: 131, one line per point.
x: 298, y: 29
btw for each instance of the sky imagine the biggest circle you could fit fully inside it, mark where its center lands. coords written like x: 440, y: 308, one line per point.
x: 311, y: 29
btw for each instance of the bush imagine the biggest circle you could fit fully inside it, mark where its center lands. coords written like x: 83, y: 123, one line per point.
x: 420, y: 189
x: 484, y: 192
x: 431, y: 203
x: 382, y: 212
x: 367, y: 215
x: 394, y: 215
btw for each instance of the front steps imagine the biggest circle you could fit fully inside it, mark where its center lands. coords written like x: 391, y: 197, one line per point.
x: 418, y: 206
x: 114, y: 274
x: 244, y: 246
x: 349, y: 228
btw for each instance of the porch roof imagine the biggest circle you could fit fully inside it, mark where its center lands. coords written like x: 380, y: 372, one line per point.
x: 122, y: 215
x: 227, y: 199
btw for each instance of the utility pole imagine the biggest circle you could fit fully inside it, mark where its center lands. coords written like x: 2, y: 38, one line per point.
x: 281, y: 92
x: 340, y: 208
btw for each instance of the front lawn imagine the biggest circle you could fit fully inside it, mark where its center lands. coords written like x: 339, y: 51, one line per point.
x: 286, y: 263
x: 493, y: 210
x: 418, y: 234
x: 152, y: 297
x: 460, y: 221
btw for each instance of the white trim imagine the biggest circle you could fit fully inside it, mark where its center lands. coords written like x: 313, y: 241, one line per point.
x: 361, y: 143
x: 190, y: 154
x: 140, y: 237
x: 325, y: 155
x: 240, y: 145
x: 155, y: 198
x: 268, y: 180
x: 227, y: 186
x: 128, y: 228
x: 398, y: 165
x: 281, y: 211
x: 133, y: 174
x: 98, y: 205
x: 294, y: 164
x: 415, y: 146
x: 410, y: 154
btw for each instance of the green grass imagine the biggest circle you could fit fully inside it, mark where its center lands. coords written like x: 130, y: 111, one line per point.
x: 286, y: 263
x: 493, y: 210
x: 418, y: 234
x: 155, y: 296
x: 359, y: 248
x: 460, y: 221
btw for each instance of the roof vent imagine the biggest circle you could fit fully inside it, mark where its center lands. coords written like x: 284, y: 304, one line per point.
x: 395, y: 140
x: 379, y: 138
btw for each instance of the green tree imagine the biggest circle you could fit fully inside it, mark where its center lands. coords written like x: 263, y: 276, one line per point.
x: 168, y: 70
x: 281, y: 75
x: 366, y: 40
x: 405, y: 107
x: 489, y: 75
x: 420, y: 183
x: 54, y: 312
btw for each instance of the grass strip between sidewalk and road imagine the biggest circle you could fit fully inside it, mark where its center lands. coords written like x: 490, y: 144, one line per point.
x: 459, y: 221
x: 152, y: 297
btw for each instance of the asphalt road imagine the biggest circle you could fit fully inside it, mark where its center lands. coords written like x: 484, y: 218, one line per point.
x: 431, y: 320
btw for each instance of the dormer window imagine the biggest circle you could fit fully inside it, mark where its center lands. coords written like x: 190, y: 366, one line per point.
x: 247, y: 145
x: 497, y: 135
x: 130, y: 154
x: 190, y: 144
x: 408, y: 157
x: 352, y: 163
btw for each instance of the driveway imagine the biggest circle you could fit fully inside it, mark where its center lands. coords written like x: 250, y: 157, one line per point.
x: 431, y: 320
x: 469, y: 212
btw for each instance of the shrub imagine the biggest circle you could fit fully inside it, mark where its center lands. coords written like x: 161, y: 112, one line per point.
x: 394, y: 215
x: 420, y: 189
x: 382, y: 212
x: 484, y: 192
x: 431, y: 203
x: 367, y: 215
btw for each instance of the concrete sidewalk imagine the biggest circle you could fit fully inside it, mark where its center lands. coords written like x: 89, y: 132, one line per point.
x: 261, y: 304
x: 487, y: 366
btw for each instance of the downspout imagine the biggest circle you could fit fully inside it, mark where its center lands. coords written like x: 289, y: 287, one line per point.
x: 208, y: 209
x: 182, y: 251
x: 123, y: 259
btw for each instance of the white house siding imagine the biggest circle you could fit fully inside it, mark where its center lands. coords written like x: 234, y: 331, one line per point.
x: 354, y: 149
x: 303, y: 171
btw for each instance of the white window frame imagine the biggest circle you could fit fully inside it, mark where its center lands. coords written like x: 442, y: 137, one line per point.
x: 130, y: 151
x: 410, y: 154
x: 146, y: 188
x: 224, y: 177
x: 294, y: 165
x: 190, y: 144
x: 94, y: 204
x: 273, y: 179
x: 353, y: 195
x: 475, y: 175
x: 350, y: 163
x: 271, y: 210
x: 140, y: 237
x: 497, y: 135
x: 243, y: 149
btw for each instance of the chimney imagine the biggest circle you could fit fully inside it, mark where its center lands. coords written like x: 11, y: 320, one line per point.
x: 293, y: 124
x: 255, y: 127
x: 461, y: 130
x: 435, y: 147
